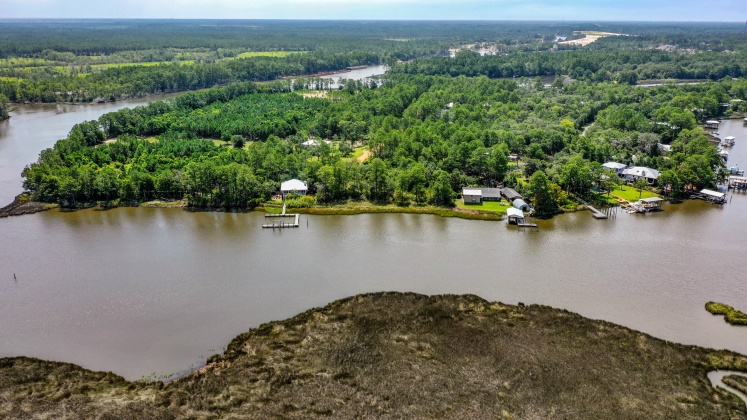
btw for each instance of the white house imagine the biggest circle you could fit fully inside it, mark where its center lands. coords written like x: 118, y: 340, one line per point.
x: 293, y: 186
x: 617, y: 167
x: 641, y: 172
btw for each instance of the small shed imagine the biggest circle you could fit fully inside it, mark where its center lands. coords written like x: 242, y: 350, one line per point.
x: 521, y: 205
x: 293, y: 186
x: 511, y: 194
x: 472, y: 195
x: 515, y: 216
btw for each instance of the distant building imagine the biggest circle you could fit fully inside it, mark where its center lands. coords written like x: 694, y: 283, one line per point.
x: 617, y: 167
x: 314, y: 142
x: 294, y: 186
x: 641, y: 172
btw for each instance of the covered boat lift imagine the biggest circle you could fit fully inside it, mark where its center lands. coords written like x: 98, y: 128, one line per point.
x: 712, y: 196
x: 515, y: 216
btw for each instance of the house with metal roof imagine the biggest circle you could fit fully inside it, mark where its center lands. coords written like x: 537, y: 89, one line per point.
x: 511, y: 194
x: 617, y: 167
x: 294, y: 186
x: 641, y: 172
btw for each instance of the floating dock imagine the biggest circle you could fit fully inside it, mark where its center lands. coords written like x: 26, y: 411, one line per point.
x: 280, y: 223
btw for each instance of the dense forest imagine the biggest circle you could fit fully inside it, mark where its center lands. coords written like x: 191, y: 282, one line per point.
x: 429, y: 136
x: 82, y: 61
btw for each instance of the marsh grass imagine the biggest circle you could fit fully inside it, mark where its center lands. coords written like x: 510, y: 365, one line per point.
x: 731, y: 315
x: 403, y: 355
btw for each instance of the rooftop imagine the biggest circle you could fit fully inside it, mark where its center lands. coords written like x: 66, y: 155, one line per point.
x: 293, y: 185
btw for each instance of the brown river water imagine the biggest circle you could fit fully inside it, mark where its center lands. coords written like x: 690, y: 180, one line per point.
x: 138, y: 291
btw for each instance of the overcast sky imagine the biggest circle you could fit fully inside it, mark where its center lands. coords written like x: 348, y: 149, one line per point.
x: 648, y: 10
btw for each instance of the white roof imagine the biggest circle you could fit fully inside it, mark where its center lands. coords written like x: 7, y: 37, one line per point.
x: 642, y: 171
x: 293, y: 185
x: 614, y: 165
x: 729, y: 138
x: 314, y: 142
x: 712, y: 122
x: 511, y: 211
x: 471, y: 192
x: 713, y: 193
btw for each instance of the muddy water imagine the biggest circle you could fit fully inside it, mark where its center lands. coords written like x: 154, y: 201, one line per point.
x: 137, y: 290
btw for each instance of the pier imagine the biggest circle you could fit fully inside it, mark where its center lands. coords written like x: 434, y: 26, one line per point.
x: 280, y: 223
x: 594, y: 212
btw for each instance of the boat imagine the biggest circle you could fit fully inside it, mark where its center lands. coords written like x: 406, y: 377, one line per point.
x: 728, y: 141
x: 734, y: 170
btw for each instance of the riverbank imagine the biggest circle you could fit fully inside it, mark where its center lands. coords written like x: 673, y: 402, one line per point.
x: 23, y: 204
x: 404, y: 355
x: 365, y: 207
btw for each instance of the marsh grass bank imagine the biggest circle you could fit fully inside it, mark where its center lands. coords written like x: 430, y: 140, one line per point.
x: 404, y: 355
x: 731, y: 315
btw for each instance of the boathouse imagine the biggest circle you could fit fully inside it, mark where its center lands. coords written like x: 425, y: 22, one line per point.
x: 713, y: 196
x: 641, y: 172
x: 472, y: 195
x: 615, y: 166
x: 651, y: 203
x: 515, y: 216
x: 511, y: 194
x: 293, y: 186
x: 711, y: 125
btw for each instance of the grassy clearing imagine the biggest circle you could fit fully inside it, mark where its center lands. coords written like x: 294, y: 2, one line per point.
x: 632, y: 194
x: 497, y: 207
x: 403, y: 355
x: 250, y: 54
x: 731, y: 315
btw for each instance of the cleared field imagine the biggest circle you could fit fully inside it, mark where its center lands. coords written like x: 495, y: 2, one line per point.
x: 591, y: 36
x: 250, y: 54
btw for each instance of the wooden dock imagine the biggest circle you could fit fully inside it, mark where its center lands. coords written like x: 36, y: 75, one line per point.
x: 280, y: 223
x: 594, y: 212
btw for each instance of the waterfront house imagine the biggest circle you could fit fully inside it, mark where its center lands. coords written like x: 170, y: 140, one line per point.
x: 617, y: 167
x: 641, y: 172
x: 294, y: 186
x: 472, y: 195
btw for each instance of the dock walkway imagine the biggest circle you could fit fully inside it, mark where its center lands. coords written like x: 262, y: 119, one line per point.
x: 594, y: 212
x: 280, y: 223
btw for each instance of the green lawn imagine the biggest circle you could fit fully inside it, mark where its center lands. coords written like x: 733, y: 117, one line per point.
x: 358, y: 151
x: 487, y: 206
x: 631, y: 193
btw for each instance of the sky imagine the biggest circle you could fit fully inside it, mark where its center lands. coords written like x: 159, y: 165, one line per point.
x: 603, y: 10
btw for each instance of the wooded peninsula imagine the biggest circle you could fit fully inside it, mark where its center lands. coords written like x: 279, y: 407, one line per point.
x: 431, y: 126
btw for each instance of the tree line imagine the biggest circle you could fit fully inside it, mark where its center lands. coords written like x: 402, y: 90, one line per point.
x: 430, y: 136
